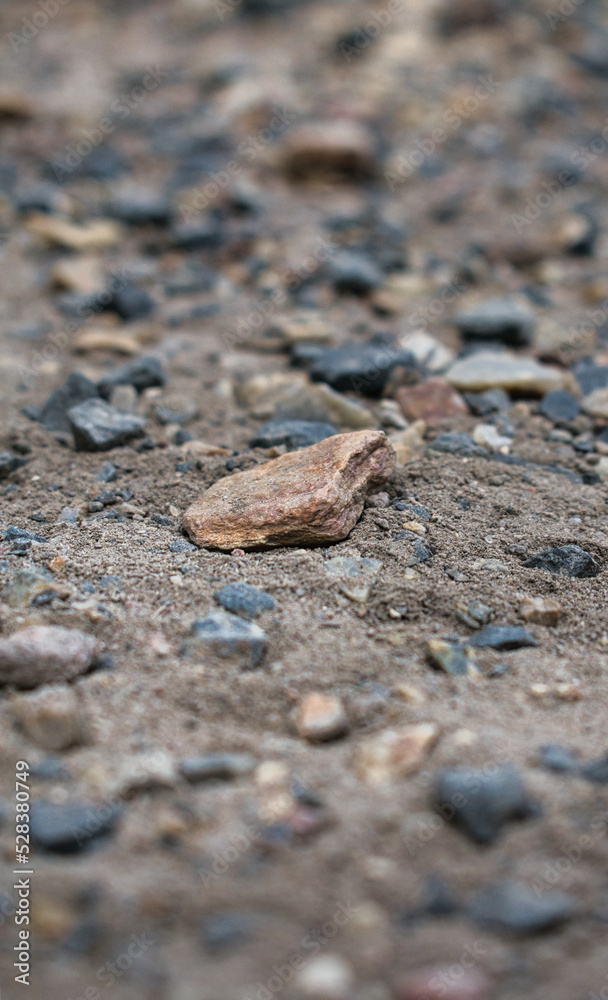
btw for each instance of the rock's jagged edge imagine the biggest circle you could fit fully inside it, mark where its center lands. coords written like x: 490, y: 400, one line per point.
x: 311, y: 497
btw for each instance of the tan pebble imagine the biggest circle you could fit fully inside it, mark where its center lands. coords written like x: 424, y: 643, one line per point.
x: 568, y: 691
x: 539, y: 690
x: 51, y: 717
x: 326, y: 977
x: 395, y: 753
x: 202, y: 449
x: 308, y: 497
x: 51, y: 919
x: 98, y: 234
x: 452, y: 982
x: 78, y: 274
x: 540, y: 610
x: 414, y: 526
x: 160, y: 645
x: 57, y: 565
x: 272, y: 772
x: 321, y: 717
x: 105, y: 340
x: 16, y: 103
x: 409, y: 443
x: 409, y: 693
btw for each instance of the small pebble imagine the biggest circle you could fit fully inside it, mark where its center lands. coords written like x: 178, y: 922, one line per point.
x: 44, y: 654
x: 516, y: 907
x: 326, y: 977
x: 229, y: 637
x: 244, y: 600
x: 321, y: 717
x: 540, y: 610
x: 567, y: 560
x: 51, y: 716
x: 482, y: 804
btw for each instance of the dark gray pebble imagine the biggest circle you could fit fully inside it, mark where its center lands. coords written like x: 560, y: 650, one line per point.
x: 244, y: 600
x: 143, y: 373
x: 76, y: 389
x: 568, y: 560
x: 70, y: 828
x: 481, y: 803
x: 560, y: 407
x: 292, y: 433
x: 517, y: 907
x: 97, y: 426
x: 501, y: 319
x: 456, y: 443
x: 502, y: 637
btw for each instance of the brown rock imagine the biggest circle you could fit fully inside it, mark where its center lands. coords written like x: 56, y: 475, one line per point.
x: 431, y: 401
x: 308, y: 497
x: 452, y: 982
x: 540, y: 610
x: 334, y: 147
x: 321, y: 717
x: 395, y: 753
x: 50, y: 717
x: 43, y: 654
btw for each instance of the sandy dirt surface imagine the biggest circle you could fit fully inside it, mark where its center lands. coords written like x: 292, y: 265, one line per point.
x: 231, y: 888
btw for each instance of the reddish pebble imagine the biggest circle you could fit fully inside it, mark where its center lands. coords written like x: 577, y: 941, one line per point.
x: 451, y: 982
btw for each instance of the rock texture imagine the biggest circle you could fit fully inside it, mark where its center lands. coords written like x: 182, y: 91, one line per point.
x: 44, y: 654
x: 309, y: 497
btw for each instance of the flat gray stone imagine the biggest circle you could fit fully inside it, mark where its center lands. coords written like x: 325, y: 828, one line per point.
x: 517, y: 907
x: 480, y: 803
x: 229, y: 637
x: 244, y: 600
x: 97, y: 426
x: 567, y: 560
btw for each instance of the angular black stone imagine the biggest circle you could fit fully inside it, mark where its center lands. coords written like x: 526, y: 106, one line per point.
x: 76, y: 389
x: 420, y: 513
x: 362, y: 368
x: 560, y: 407
x: 144, y: 373
x: 502, y: 637
x: 456, y: 443
x: 354, y: 272
x: 517, y: 907
x: 137, y: 212
x: 12, y: 534
x: 69, y: 829
x: 567, y: 560
x: 497, y: 319
x: 482, y: 804
x: 9, y: 463
x: 97, y: 426
x: 130, y: 302
x: 244, y: 600
x: 292, y: 433
x: 482, y: 404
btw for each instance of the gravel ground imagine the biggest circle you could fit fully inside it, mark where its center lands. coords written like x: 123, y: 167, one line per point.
x: 222, y: 192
